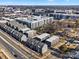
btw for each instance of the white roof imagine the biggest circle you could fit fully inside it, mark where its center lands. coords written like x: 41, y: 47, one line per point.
x: 25, y: 29
x: 30, y: 31
x: 24, y: 38
x: 8, y: 19
x: 3, y: 21
x: 16, y: 24
x: 53, y: 38
x: 42, y: 35
x: 21, y: 18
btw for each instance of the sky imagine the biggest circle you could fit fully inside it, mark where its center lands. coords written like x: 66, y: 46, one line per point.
x: 39, y: 2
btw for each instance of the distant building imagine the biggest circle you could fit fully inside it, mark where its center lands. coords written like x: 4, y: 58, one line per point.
x: 60, y: 16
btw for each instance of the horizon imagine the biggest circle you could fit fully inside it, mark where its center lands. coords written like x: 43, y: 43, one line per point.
x: 39, y: 2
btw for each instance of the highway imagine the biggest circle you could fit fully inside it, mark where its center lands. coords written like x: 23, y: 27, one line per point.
x: 12, y: 47
x: 5, y: 51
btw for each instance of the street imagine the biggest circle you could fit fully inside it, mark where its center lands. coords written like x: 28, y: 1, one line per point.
x: 21, y: 54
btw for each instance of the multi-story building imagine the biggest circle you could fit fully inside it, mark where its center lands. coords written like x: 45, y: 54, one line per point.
x: 35, y: 21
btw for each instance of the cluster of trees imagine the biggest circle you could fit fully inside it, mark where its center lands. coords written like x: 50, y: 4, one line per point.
x: 58, y: 25
x: 49, y: 28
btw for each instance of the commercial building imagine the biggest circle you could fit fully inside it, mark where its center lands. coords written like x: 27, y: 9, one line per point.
x: 42, y: 37
x: 35, y: 21
x: 20, y: 27
x: 31, y: 33
x: 63, y: 16
x: 8, y: 19
x: 17, y: 35
x: 3, y: 21
x: 37, y: 46
x: 52, y: 40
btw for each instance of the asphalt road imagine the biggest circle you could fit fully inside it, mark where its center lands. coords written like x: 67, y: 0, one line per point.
x: 5, y: 51
x: 12, y: 47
